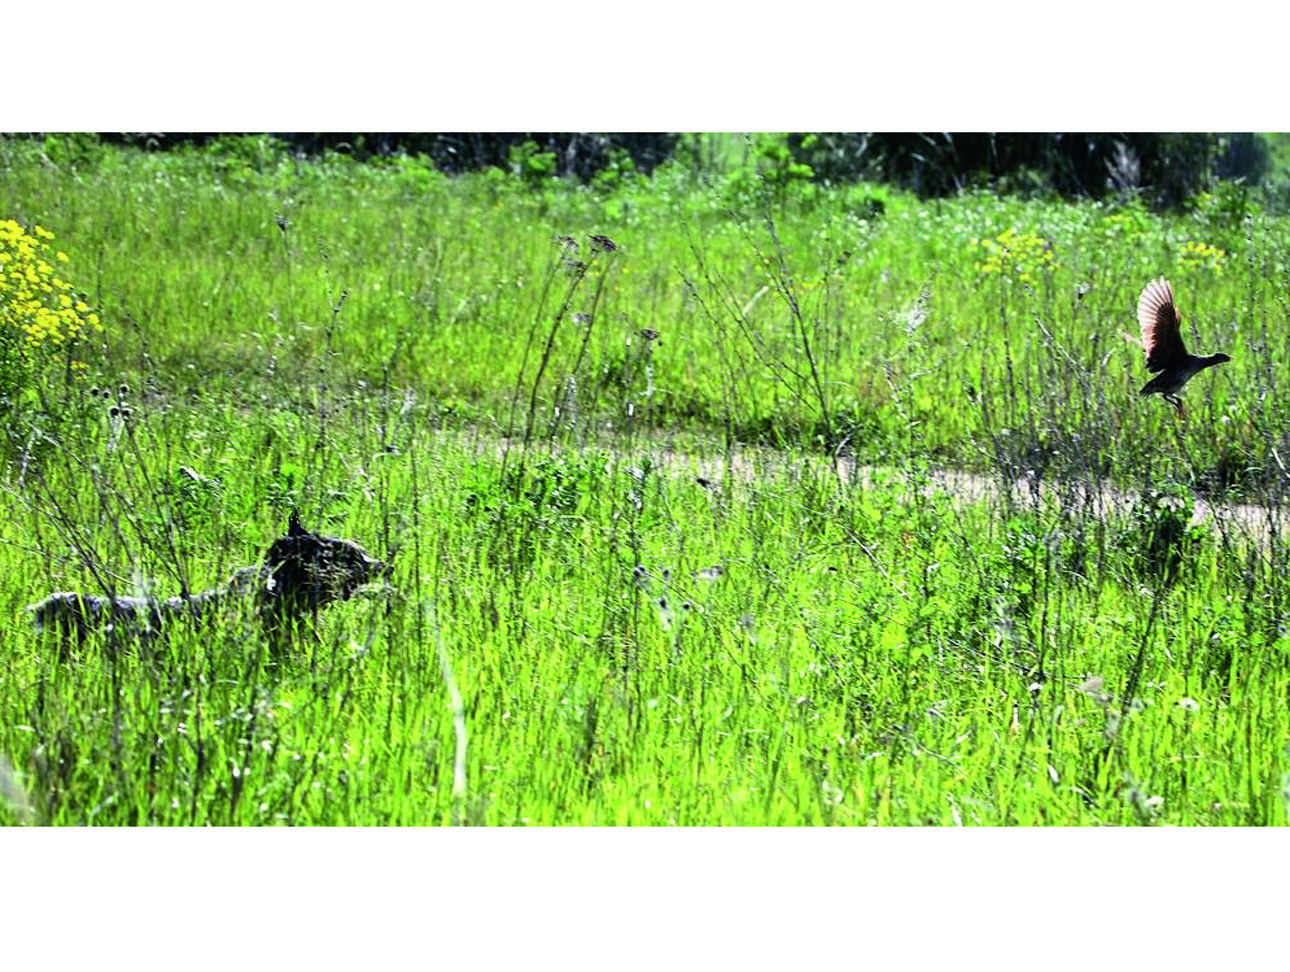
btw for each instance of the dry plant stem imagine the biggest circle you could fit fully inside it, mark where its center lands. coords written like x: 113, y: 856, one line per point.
x: 1135, y: 669
x: 740, y: 311
x: 68, y: 529
x: 784, y: 284
x: 320, y: 451
x: 595, y: 302
x: 524, y: 361
x: 578, y: 276
x: 284, y: 228
x: 174, y: 560
x: 545, y: 359
x: 730, y: 388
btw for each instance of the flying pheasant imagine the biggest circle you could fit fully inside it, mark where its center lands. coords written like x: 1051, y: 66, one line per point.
x: 1161, y: 339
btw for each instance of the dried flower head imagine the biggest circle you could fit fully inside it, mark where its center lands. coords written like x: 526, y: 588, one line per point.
x: 1094, y: 688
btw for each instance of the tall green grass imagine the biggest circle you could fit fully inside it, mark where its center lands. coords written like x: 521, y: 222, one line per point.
x: 630, y: 646
x: 668, y: 539
x: 446, y: 277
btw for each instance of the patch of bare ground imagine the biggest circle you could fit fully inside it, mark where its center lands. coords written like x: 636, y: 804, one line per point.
x: 1250, y: 522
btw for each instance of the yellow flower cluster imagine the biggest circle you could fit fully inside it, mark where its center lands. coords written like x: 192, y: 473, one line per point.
x: 1203, y: 256
x: 1017, y: 256
x: 33, y: 298
x: 1129, y: 223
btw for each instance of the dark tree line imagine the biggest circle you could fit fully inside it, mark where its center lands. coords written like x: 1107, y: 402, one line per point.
x: 577, y: 154
x: 1166, y: 168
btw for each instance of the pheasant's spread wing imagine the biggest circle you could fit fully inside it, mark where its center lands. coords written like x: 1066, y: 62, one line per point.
x: 1159, y: 320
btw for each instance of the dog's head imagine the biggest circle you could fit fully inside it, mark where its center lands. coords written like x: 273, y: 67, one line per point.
x: 316, y: 569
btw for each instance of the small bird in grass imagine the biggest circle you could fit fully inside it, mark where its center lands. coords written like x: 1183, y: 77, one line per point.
x: 1161, y: 339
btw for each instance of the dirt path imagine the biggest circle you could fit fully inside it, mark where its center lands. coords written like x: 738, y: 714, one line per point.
x: 710, y: 465
x: 1248, y: 521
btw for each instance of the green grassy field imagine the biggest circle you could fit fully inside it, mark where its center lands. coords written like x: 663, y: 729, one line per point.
x: 668, y: 545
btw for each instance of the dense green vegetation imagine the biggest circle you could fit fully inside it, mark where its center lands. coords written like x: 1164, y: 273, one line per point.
x: 669, y: 541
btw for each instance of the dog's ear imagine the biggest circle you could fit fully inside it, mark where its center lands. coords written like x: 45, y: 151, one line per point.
x: 294, y: 529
